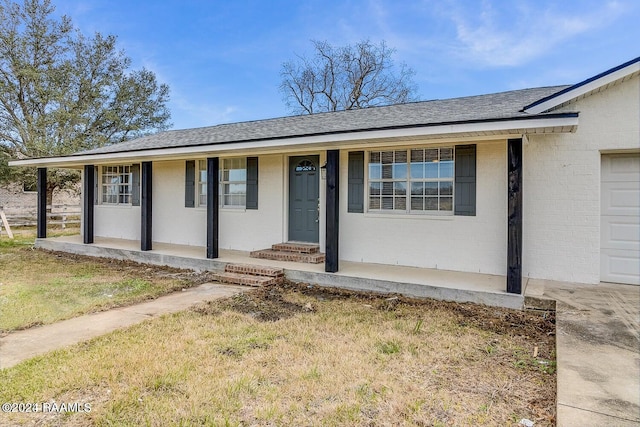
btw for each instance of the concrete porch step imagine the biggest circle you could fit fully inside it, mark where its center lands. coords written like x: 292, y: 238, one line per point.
x: 275, y: 255
x: 301, y: 248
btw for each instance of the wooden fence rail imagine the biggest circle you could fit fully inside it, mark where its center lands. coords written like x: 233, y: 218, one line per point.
x: 62, y: 215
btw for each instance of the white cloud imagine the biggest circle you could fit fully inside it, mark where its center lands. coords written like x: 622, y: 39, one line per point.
x: 515, y: 33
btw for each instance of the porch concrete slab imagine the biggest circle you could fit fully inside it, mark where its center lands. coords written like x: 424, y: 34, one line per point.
x: 23, y: 345
x: 410, y: 281
x: 598, y: 352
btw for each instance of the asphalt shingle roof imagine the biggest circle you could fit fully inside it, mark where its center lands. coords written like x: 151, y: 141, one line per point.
x: 497, y: 106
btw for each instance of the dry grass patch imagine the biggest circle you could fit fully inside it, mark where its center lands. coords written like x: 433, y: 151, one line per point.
x: 298, y: 355
x: 40, y: 287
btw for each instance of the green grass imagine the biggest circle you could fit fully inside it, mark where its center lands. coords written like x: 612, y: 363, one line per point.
x: 39, y: 287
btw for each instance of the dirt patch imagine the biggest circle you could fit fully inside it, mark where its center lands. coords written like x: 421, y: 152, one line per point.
x: 142, y: 271
x: 268, y: 304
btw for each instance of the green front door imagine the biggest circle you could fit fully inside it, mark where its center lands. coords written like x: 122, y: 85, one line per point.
x: 304, y: 186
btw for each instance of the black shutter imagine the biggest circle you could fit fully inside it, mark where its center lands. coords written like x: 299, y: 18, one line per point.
x: 135, y: 185
x: 190, y: 184
x: 355, y: 197
x: 252, y: 183
x: 465, y: 203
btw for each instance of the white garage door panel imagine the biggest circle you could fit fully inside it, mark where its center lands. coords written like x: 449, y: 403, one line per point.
x: 620, y: 198
x: 621, y: 267
x: 620, y: 219
x: 620, y: 233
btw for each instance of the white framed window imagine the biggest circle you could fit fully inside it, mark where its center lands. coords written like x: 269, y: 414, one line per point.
x: 233, y: 182
x: 116, y: 185
x: 418, y: 180
x: 201, y: 183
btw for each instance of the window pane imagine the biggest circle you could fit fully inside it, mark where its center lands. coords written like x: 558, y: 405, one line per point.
x: 387, y: 188
x: 446, y: 203
x: 417, y: 188
x: 237, y: 188
x: 387, y: 171
x: 375, y: 171
x: 431, y: 155
x: 399, y: 188
x: 401, y: 203
x: 431, y: 203
x: 417, y: 203
x: 400, y: 171
x: 431, y: 170
x: 203, y: 193
x: 417, y: 170
x: 387, y: 157
x: 417, y: 156
x: 446, y: 188
x: 374, y: 157
x: 387, y: 203
x: 374, y: 203
x: 203, y: 176
x: 400, y: 156
x: 374, y: 188
x: 446, y: 154
x: 431, y: 188
x: 238, y: 175
x: 446, y: 169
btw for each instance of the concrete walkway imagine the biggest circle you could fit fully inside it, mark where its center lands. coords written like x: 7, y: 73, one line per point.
x: 598, y: 352
x: 22, y: 345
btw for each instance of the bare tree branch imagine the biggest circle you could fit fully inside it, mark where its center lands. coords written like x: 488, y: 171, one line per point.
x: 345, y: 78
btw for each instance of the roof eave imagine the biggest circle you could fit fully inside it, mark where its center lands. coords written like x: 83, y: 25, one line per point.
x: 555, y: 123
x: 584, y: 87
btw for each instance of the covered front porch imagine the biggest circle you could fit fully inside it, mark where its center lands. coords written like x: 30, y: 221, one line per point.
x: 388, y: 279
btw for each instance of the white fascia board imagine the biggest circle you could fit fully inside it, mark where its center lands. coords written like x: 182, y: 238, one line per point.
x: 515, y: 126
x: 584, y: 89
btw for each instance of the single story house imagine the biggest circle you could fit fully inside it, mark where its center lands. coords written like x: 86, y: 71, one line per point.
x: 534, y: 183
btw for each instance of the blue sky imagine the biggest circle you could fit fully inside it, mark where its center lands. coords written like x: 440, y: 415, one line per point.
x: 222, y: 59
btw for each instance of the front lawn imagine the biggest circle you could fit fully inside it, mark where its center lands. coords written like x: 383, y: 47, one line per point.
x: 40, y: 287
x: 300, y: 355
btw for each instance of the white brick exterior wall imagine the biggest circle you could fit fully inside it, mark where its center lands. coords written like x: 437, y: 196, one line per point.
x: 561, y: 188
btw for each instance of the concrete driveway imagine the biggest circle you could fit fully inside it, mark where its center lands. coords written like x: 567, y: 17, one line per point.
x: 598, y: 352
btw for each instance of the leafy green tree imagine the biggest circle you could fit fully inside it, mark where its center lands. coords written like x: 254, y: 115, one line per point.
x: 345, y: 78
x: 62, y: 92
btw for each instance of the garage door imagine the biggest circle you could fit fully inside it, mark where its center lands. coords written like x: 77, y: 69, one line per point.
x: 620, y: 219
